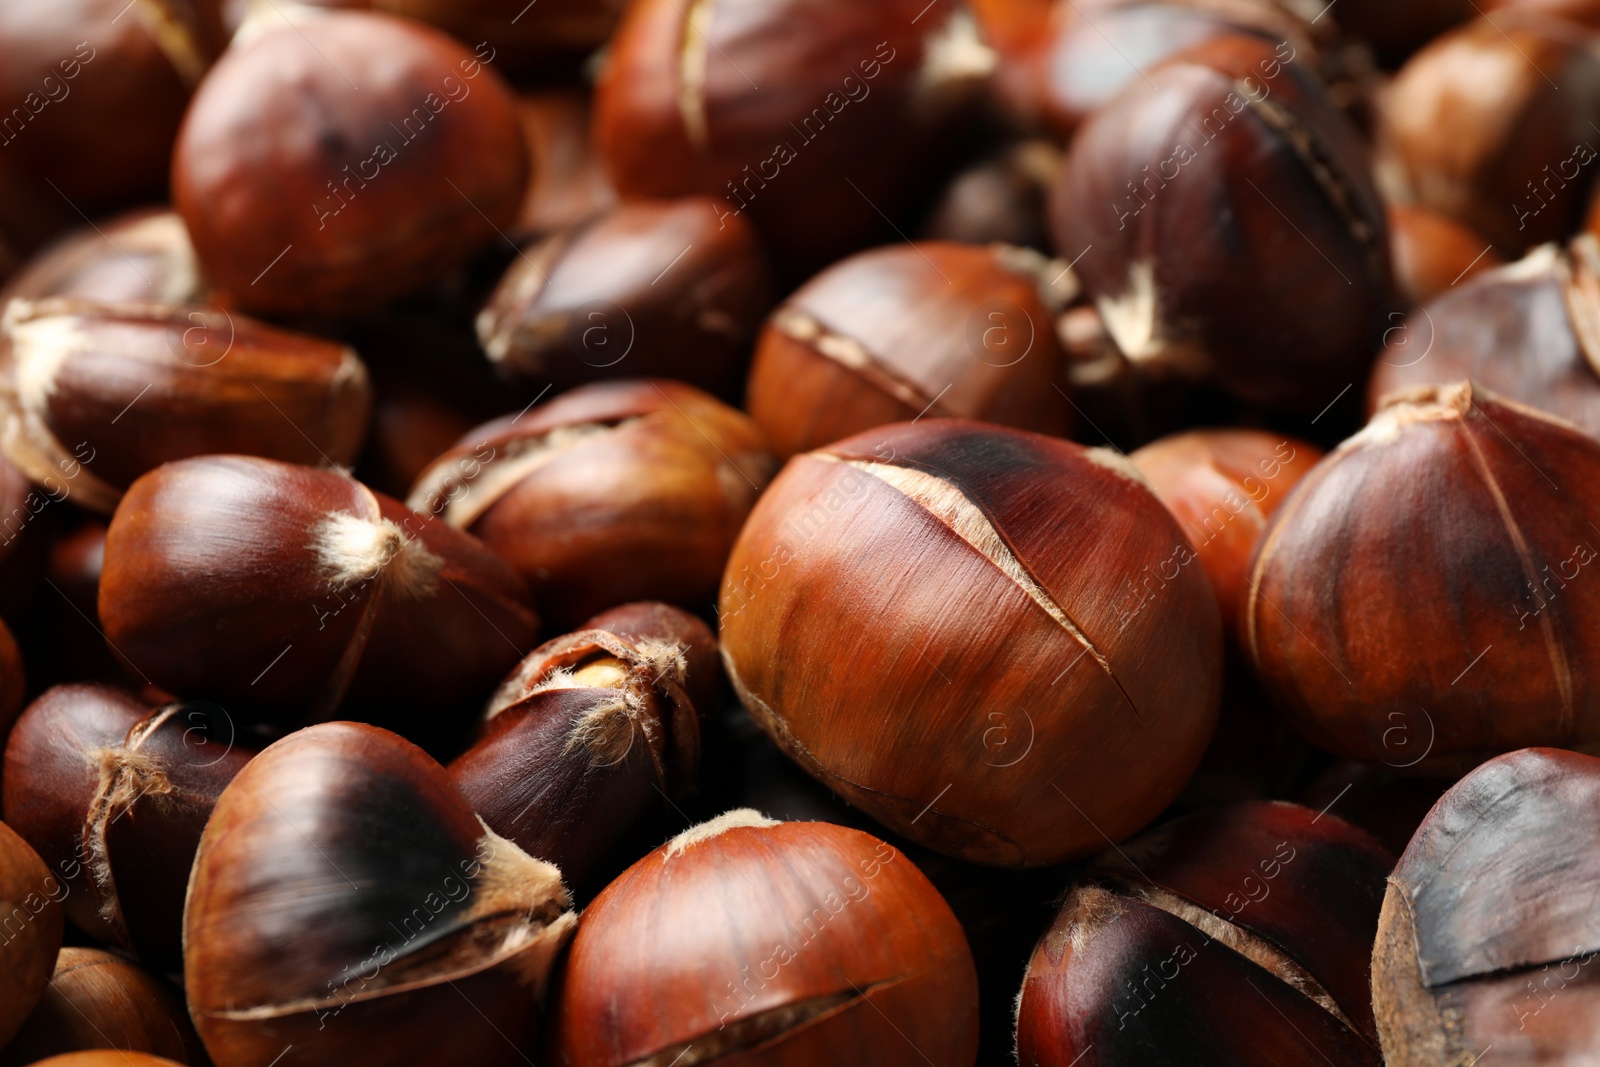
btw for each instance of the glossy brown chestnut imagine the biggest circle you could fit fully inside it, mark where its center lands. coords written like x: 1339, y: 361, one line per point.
x: 1488, y: 937
x: 143, y: 256
x: 588, y: 734
x: 97, y: 1000
x: 530, y: 37
x: 936, y: 329
x: 1454, y: 514
x: 107, y: 1059
x: 852, y: 100
x: 348, y: 907
x: 1433, y: 253
x: 332, y: 166
x: 1265, y: 910
x: 991, y: 641
x: 1223, y: 486
x: 114, y: 795
x: 569, y: 182
x: 613, y: 492
x: 95, y: 395
x: 831, y: 947
x: 30, y: 929
x: 1000, y: 199
x: 269, y: 586
x: 1529, y: 331
x: 660, y: 289
x: 1176, y: 194
x: 1476, y: 126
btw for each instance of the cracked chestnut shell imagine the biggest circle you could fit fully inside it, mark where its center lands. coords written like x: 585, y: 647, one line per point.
x: 615, y: 491
x: 1487, y: 937
x: 32, y: 898
x: 347, y: 906
x: 934, y: 328
x: 832, y: 948
x: 1265, y: 909
x: 114, y: 795
x: 1455, y: 514
x: 1176, y: 196
x: 142, y: 256
x: 947, y: 595
x: 102, y: 393
x: 330, y: 167
x: 273, y: 587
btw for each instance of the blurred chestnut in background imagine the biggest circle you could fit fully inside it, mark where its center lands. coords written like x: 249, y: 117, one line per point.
x: 1584, y: 12
x: 528, y: 38
x: 1529, y: 331
x: 936, y: 329
x: 569, y: 183
x: 332, y: 166
x: 1175, y: 196
x: 1491, y: 124
x: 853, y: 100
x: 1460, y: 516
x: 31, y: 215
x: 832, y: 948
x: 1433, y: 253
x: 346, y: 901
x: 32, y: 896
x: 617, y: 491
x: 114, y: 795
x: 94, y: 395
x: 1000, y: 199
x: 989, y: 640
x: 583, y: 740
x: 1488, y: 935
x: 1258, y: 906
x: 279, y: 588
x: 107, y: 1059
x: 1394, y: 31
x: 1386, y: 802
x: 96, y: 1000
x: 644, y: 289
x: 143, y: 256
x: 1223, y: 486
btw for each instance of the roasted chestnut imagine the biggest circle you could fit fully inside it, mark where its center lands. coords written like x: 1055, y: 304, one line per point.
x: 1265, y: 910
x: 1433, y: 253
x: 831, y: 947
x: 347, y: 907
x: 1455, y: 514
x: 643, y: 289
x: 30, y: 929
x: 114, y: 794
x: 991, y: 641
x: 1227, y: 227
x: 331, y: 166
x: 94, y: 395
x: 143, y: 256
x: 932, y: 328
x: 1488, y: 923
x: 1000, y: 199
x: 279, y: 588
x: 613, y: 492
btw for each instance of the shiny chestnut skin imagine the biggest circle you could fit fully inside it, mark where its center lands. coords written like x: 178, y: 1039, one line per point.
x: 344, y: 902
x: 1452, y: 514
x: 568, y: 183
x: 976, y: 587
x: 1487, y: 936
x: 935, y: 328
x: 1529, y: 331
x: 109, y: 391
x: 647, y: 288
x: 370, y: 153
x: 1475, y: 127
x: 1223, y: 486
x: 279, y: 588
x: 831, y: 947
x: 528, y: 38
x: 1180, y: 188
x: 1000, y: 199
x: 114, y: 795
x: 851, y: 102
x: 1433, y: 253
x: 1266, y: 910
x: 98, y: 1000
x: 142, y: 256
x: 32, y: 897
x: 613, y: 492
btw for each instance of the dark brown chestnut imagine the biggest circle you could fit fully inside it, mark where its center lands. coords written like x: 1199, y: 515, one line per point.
x: 933, y: 328
x: 114, y: 795
x: 1235, y: 936
x: 533, y: 37
x: 279, y: 588
x: 143, y: 256
x: 1433, y: 253
x: 330, y: 166
x: 569, y: 182
x: 662, y: 289
x: 1227, y: 227
x: 831, y: 947
x: 616, y: 491
x: 30, y: 929
x: 994, y: 642
x: 348, y: 907
x: 1001, y: 199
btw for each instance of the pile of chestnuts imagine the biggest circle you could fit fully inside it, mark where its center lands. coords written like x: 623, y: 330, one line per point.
x: 799, y: 533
